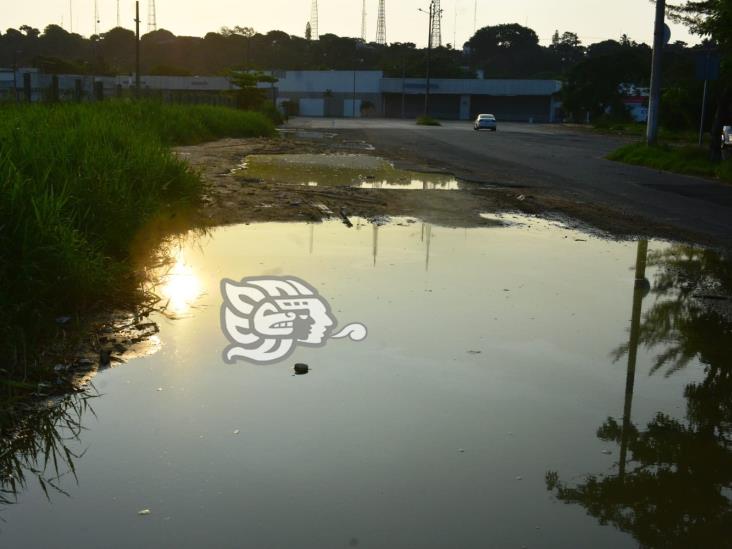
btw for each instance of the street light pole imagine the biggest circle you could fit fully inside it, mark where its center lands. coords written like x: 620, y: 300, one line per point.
x: 655, y: 99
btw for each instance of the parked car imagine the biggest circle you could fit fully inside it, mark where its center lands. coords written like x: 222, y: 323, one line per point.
x: 485, y: 122
x: 727, y: 137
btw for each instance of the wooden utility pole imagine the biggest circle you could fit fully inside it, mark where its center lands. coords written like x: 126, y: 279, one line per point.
x: 655, y: 99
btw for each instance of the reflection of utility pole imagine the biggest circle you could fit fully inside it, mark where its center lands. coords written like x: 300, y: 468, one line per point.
x: 639, y: 291
x: 312, y: 237
x: 428, y: 240
x: 376, y: 242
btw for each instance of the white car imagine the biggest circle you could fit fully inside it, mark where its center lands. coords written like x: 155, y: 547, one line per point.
x: 485, y: 122
x: 727, y: 137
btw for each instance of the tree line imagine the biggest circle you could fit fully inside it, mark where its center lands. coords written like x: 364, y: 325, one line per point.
x: 592, y: 73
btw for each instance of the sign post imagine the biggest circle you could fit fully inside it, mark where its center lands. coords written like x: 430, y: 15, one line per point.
x: 707, y: 68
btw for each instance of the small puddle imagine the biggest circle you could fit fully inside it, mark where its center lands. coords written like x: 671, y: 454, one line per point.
x: 519, y: 385
x: 349, y: 170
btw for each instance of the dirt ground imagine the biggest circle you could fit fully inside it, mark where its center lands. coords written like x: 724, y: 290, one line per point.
x: 229, y: 197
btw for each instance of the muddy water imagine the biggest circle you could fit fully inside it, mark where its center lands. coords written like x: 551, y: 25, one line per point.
x: 352, y: 170
x: 517, y: 388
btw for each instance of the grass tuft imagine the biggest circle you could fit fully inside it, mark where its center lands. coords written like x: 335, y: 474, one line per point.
x: 687, y: 159
x: 76, y: 183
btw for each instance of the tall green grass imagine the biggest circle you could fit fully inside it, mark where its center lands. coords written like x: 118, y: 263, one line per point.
x: 688, y: 159
x: 77, y: 182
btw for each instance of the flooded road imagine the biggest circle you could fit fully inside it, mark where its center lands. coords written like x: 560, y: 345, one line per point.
x: 352, y: 170
x: 518, y: 388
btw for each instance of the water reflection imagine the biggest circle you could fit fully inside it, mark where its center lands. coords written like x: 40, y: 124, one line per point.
x: 356, y: 170
x: 40, y: 444
x: 674, y: 477
x: 179, y: 287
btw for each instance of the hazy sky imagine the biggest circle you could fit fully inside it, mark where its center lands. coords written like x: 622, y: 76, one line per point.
x: 593, y: 20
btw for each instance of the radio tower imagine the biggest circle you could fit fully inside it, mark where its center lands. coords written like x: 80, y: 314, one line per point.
x: 363, y: 22
x: 118, y: 19
x: 152, y: 16
x: 314, y: 20
x: 381, y: 27
x: 96, y: 17
x: 437, y: 26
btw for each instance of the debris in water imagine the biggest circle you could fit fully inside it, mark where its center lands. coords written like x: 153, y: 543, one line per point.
x: 461, y: 450
x: 607, y: 452
x: 474, y: 352
x: 236, y: 431
x: 159, y: 389
x: 301, y: 369
x: 144, y: 512
x: 519, y: 478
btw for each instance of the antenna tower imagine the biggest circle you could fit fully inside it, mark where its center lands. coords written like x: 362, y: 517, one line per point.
x: 71, y: 16
x: 363, y: 21
x: 314, y: 20
x: 118, y: 19
x: 475, y: 17
x: 152, y: 16
x: 381, y: 27
x: 436, y: 31
x: 96, y: 17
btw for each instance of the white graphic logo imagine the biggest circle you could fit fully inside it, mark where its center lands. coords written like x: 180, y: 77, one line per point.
x: 266, y: 318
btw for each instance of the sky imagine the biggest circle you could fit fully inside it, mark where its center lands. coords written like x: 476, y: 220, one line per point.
x: 592, y: 20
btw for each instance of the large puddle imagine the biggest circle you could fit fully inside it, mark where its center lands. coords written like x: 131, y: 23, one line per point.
x: 347, y: 170
x: 518, y: 387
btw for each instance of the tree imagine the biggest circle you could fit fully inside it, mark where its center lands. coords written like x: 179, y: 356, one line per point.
x: 249, y: 96
x: 308, y: 31
x: 713, y: 19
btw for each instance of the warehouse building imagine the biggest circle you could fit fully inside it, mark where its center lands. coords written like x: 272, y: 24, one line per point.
x: 320, y: 93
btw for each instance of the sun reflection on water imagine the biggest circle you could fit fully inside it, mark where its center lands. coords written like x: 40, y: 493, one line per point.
x: 180, y: 287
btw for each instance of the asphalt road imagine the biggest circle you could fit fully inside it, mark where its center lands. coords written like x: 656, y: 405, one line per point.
x: 554, y: 159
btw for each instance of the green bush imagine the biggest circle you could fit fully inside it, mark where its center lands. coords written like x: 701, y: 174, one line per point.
x: 427, y: 121
x: 76, y: 184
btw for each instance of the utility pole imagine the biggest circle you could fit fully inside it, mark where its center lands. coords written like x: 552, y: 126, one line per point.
x: 71, y: 16
x: 658, y: 44
x: 118, y: 19
x: 432, y: 13
x: 137, y: 49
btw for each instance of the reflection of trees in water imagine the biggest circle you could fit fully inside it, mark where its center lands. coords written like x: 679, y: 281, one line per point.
x: 35, y: 444
x: 674, y: 478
